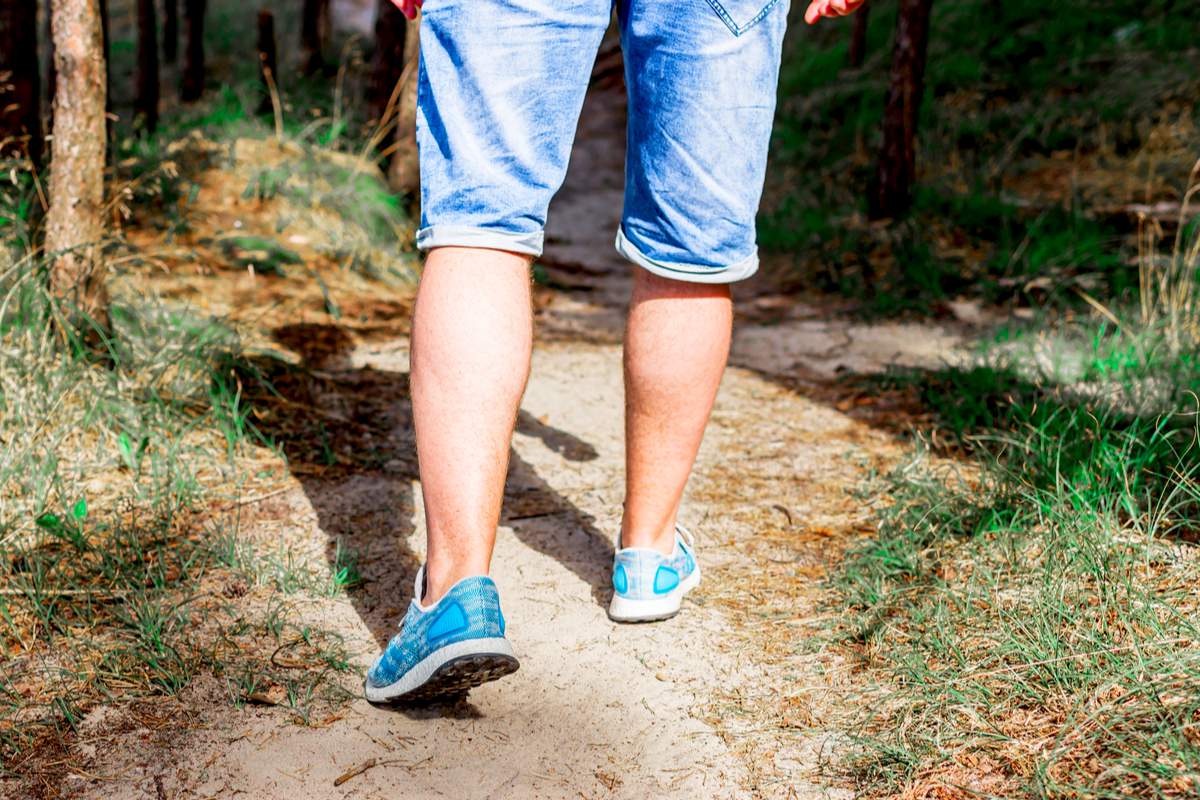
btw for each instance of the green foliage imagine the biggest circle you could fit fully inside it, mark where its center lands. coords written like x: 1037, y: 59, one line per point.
x: 349, y: 192
x: 103, y: 466
x: 1007, y: 84
x: 1044, y: 593
x: 21, y: 197
x: 122, y: 578
x: 265, y: 256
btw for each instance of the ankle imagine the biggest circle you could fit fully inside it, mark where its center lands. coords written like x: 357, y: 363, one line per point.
x: 440, y: 579
x: 649, y: 538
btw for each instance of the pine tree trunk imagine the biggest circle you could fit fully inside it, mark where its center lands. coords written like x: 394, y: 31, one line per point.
x: 858, y: 36
x: 74, y: 224
x: 266, y: 59
x: 146, y: 103
x: 403, y: 172
x: 20, y: 87
x: 191, y: 85
x: 170, y: 31
x: 891, y: 192
x: 387, y: 64
x: 311, y: 21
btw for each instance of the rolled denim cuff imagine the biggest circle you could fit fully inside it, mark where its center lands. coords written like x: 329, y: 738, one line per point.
x: 464, y: 236
x: 691, y: 273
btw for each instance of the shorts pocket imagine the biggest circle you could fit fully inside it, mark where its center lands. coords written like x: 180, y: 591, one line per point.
x: 741, y: 15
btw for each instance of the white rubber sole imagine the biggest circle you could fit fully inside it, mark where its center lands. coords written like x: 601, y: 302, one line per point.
x: 452, y: 669
x: 622, y: 609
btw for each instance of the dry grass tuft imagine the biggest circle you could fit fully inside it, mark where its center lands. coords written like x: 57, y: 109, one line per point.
x: 122, y: 473
x: 1031, y: 625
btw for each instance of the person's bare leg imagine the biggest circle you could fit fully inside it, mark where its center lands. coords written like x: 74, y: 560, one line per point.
x: 676, y: 346
x: 471, y: 342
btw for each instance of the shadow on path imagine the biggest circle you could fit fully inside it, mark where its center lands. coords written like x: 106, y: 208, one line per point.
x: 347, y: 434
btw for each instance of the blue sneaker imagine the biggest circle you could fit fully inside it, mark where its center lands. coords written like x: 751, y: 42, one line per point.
x: 444, y: 649
x: 649, y: 586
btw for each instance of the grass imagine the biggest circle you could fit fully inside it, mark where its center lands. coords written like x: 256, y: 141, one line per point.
x: 314, y: 168
x: 1029, y: 604
x: 123, y: 572
x: 1035, y: 124
x: 118, y: 584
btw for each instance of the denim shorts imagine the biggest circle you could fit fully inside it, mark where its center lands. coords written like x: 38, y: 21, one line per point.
x: 501, y: 87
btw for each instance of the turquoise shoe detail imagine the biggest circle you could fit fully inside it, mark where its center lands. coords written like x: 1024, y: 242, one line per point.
x: 446, y: 648
x: 648, y: 585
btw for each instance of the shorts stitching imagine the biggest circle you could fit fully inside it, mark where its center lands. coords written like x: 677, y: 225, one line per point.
x: 738, y: 30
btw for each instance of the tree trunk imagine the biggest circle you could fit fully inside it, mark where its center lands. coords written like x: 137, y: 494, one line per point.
x: 191, y: 85
x: 387, y: 64
x: 312, y: 19
x: 74, y: 223
x: 891, y: 193
x: 20, y: 88
x: 403, y: 171
x: 858, y: 36
x: 146, y: 104
x: 170, y: 31
x: 266, y: 59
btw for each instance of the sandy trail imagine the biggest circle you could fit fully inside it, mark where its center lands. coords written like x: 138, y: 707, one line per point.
x: 705, y: 705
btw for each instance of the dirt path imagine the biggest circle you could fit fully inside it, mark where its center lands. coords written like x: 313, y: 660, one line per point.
x: 720, y: 702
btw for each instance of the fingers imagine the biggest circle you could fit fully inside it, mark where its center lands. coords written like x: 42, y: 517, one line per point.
x: 840, y: 8
x: 830, y: 8
x: 408, y: 7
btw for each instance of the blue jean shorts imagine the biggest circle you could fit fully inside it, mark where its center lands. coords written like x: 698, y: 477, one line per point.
x: 501, y: 86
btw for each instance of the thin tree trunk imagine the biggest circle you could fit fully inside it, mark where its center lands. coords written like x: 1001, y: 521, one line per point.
x: 266, y: 59
x: 891, y: 193
x: 191, y: 85
x: 170, y: 49
x: 74, y: 223
x: 858, y: 36
x: 146, y: 103
x: 20, y: 88
x: 387, y: 64
x: 311, y: 38
x: 403, y: 172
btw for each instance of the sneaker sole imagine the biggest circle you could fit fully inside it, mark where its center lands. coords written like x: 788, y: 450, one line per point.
x: 450, y: 671
x: 623, y: 609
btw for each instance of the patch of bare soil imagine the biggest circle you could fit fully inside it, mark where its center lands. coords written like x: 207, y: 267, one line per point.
x: 726, y: 700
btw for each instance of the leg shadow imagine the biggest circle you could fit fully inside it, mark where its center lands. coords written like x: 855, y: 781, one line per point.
x: 549, y: 523
x: 348, y: 437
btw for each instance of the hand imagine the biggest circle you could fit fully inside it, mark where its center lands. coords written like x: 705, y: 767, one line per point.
x: 409, y: 7
x: 826, y: 8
